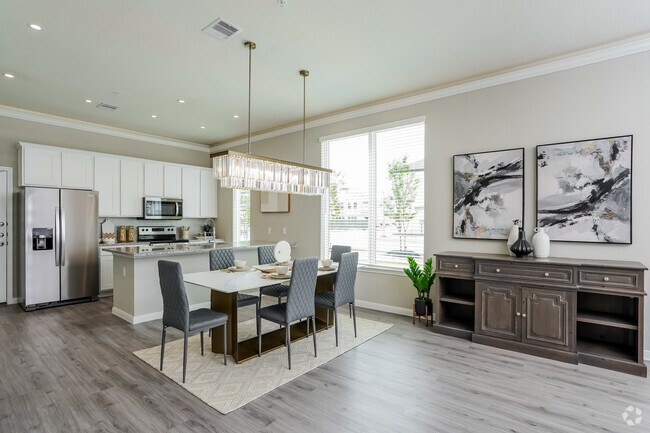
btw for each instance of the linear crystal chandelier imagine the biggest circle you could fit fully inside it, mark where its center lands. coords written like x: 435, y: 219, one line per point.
x: 245, y: 171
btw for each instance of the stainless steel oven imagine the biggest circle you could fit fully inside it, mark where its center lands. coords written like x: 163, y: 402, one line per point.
x: 156, y: 208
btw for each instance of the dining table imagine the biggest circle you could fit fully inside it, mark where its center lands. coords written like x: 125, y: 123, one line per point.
x: 224, y: 286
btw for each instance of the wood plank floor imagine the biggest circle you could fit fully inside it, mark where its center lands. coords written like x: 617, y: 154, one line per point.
x: 71, y: 369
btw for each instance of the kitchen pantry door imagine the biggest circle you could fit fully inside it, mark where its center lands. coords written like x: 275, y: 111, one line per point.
x: 5, y: 214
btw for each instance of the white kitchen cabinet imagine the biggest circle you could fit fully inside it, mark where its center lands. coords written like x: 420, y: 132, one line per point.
x: 208, y: 205
x: 132, y: 187
x: 153, y: 179
x: 107, y: 182
x: 77, y: 170
x: 106, y: 271
x: 40, y: 166
x: 191, y: 179
x: 172, y: 181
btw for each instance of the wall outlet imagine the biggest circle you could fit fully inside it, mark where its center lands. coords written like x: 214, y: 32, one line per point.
x: 268, y: 230
x: 284, y: 230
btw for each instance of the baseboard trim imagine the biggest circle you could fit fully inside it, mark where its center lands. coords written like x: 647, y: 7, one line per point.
x: 383, y: 307
x: 134, y: 320
x: 13, y: 301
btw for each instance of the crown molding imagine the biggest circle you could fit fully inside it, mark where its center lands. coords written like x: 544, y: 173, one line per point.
x: 49, y: 119
x: 557, y: 64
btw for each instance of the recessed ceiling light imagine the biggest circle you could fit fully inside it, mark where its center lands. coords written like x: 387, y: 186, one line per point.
x: 35, y: 26
x: 181, y: 101
x: 236, y: 116
x: 90, y: 101
x: 154, y: 116
x: 8, y: 75
x: 203, y: 127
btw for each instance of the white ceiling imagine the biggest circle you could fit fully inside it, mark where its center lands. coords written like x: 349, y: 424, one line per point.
x: 359, y: 52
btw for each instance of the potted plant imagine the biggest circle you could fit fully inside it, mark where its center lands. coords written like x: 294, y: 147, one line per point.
x: 422, y: 281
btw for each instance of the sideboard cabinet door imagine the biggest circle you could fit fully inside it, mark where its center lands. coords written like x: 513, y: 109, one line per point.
x: 497, y: 308
x: 548, y: 319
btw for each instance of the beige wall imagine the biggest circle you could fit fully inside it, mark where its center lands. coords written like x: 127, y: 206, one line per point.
x: 13, y: 130
x: 600, y: 100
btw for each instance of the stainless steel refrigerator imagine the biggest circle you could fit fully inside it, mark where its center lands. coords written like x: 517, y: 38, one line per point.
x: 59, y: 246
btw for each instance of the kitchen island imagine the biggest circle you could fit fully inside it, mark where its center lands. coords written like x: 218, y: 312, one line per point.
x: 136, y: 289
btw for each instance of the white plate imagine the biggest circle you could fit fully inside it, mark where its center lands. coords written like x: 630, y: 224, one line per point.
x: 280, y: 277
x: 323, y: 268
x: 282, y: 251
x: 235, y: 269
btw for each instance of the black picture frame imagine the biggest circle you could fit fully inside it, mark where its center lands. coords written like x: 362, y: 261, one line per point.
x: 584, y: 190
x: 488, y: 194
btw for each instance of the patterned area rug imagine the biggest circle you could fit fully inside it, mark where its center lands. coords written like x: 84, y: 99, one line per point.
x: 229, y: 387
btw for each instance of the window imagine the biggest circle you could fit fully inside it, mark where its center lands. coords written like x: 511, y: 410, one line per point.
x: 241, y: 218
x: 376, y: 198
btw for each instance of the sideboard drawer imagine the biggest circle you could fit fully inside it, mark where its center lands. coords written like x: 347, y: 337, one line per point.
x: 522, y: 272
x: 620, y: 279
x: 455, y: 266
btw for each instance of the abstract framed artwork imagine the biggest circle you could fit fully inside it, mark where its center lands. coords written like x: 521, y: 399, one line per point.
x: 584, y: 190
x: 488, y: 194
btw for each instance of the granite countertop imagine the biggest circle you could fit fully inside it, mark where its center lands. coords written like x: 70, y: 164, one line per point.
x: 142, y: 251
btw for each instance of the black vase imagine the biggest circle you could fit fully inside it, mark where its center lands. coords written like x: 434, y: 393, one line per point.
x: 521, y: 247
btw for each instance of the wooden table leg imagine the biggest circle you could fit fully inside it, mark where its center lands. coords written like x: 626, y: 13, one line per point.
x: 225, y: 303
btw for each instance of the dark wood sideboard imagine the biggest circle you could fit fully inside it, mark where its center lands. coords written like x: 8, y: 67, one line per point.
x: 587, y: 311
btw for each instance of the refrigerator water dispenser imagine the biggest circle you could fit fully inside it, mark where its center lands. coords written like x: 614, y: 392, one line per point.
x: 42, y: 239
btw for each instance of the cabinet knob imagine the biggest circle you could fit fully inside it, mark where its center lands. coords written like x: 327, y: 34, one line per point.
x: 455, y: 266
x: 606, y: 279
x: 546, y: 274
x: 498, y: 270
x: 518, y: 313
x: 523, y: 315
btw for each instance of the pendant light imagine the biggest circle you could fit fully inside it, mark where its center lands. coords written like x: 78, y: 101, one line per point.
x: 257, y: 173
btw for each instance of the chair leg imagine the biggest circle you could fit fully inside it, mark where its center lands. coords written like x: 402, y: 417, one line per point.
x: 184, y: 355
x: 225, y: 344
x: 287, y: 336
x: 162, y: 347
x: 201, y: 343
x: 313, y: 323
x: 307, y: 326
x: 259, y: 336
x: 354, y: 318
x: 327, y: 321
x: 350, y: 308
x: 336, y: 327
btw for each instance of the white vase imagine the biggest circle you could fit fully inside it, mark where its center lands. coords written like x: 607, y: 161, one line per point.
x: 512, y: 238
x: 541, y: 243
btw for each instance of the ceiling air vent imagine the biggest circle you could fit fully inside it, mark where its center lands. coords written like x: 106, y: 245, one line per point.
x: 221, y: 29
x: 106, y: 106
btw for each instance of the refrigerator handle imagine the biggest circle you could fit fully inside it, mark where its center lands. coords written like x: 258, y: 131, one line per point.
x: 57, y: 226
x: 62, y: 252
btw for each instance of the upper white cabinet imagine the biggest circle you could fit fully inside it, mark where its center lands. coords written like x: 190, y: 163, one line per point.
x: 208, y: 194
x: 40, y: 166
x: 191, y: 192
x: 77, y: 170
x: 172, y: 181
x: 107, y: 182
x: 153, y: 179
x: 132, y: 187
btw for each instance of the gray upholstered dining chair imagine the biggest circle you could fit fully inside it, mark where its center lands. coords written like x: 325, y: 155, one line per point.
x: 224, y: 258
x: 300, y: 303
x: 335, y: 255
x: 343, y: 292
x: 177, y: 314
x: 265, y: 256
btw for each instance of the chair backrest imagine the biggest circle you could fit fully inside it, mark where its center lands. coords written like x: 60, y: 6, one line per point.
x: 337, y: 250
x: 265, y: 254
x: 176, y: 309
x: 346, y: 276
x: 302, y: 289
x: 222, y: 258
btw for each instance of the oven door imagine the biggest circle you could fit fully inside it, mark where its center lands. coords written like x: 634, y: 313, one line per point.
x: 163, y: 208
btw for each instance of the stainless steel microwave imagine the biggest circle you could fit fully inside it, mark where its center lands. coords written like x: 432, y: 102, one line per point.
x: 156, y: 208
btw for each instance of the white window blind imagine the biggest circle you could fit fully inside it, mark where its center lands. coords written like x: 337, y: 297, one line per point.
x: 241, y: 217
x: 376, y: 200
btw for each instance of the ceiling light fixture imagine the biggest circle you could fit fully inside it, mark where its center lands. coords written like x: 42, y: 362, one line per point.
x: 8, y: 75
x: 181, y: 101
x: 35, y: 26
x: 236, y: 116
x: 245, y: 171
x: 203, y: 127
x: 90, y: 101
x: 154, y: 116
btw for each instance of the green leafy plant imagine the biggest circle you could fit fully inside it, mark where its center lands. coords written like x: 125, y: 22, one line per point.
x: 422, y: 278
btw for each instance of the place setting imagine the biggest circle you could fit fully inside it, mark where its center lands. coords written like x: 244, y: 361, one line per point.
x: 327, y: 265
x: 240, y: 266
